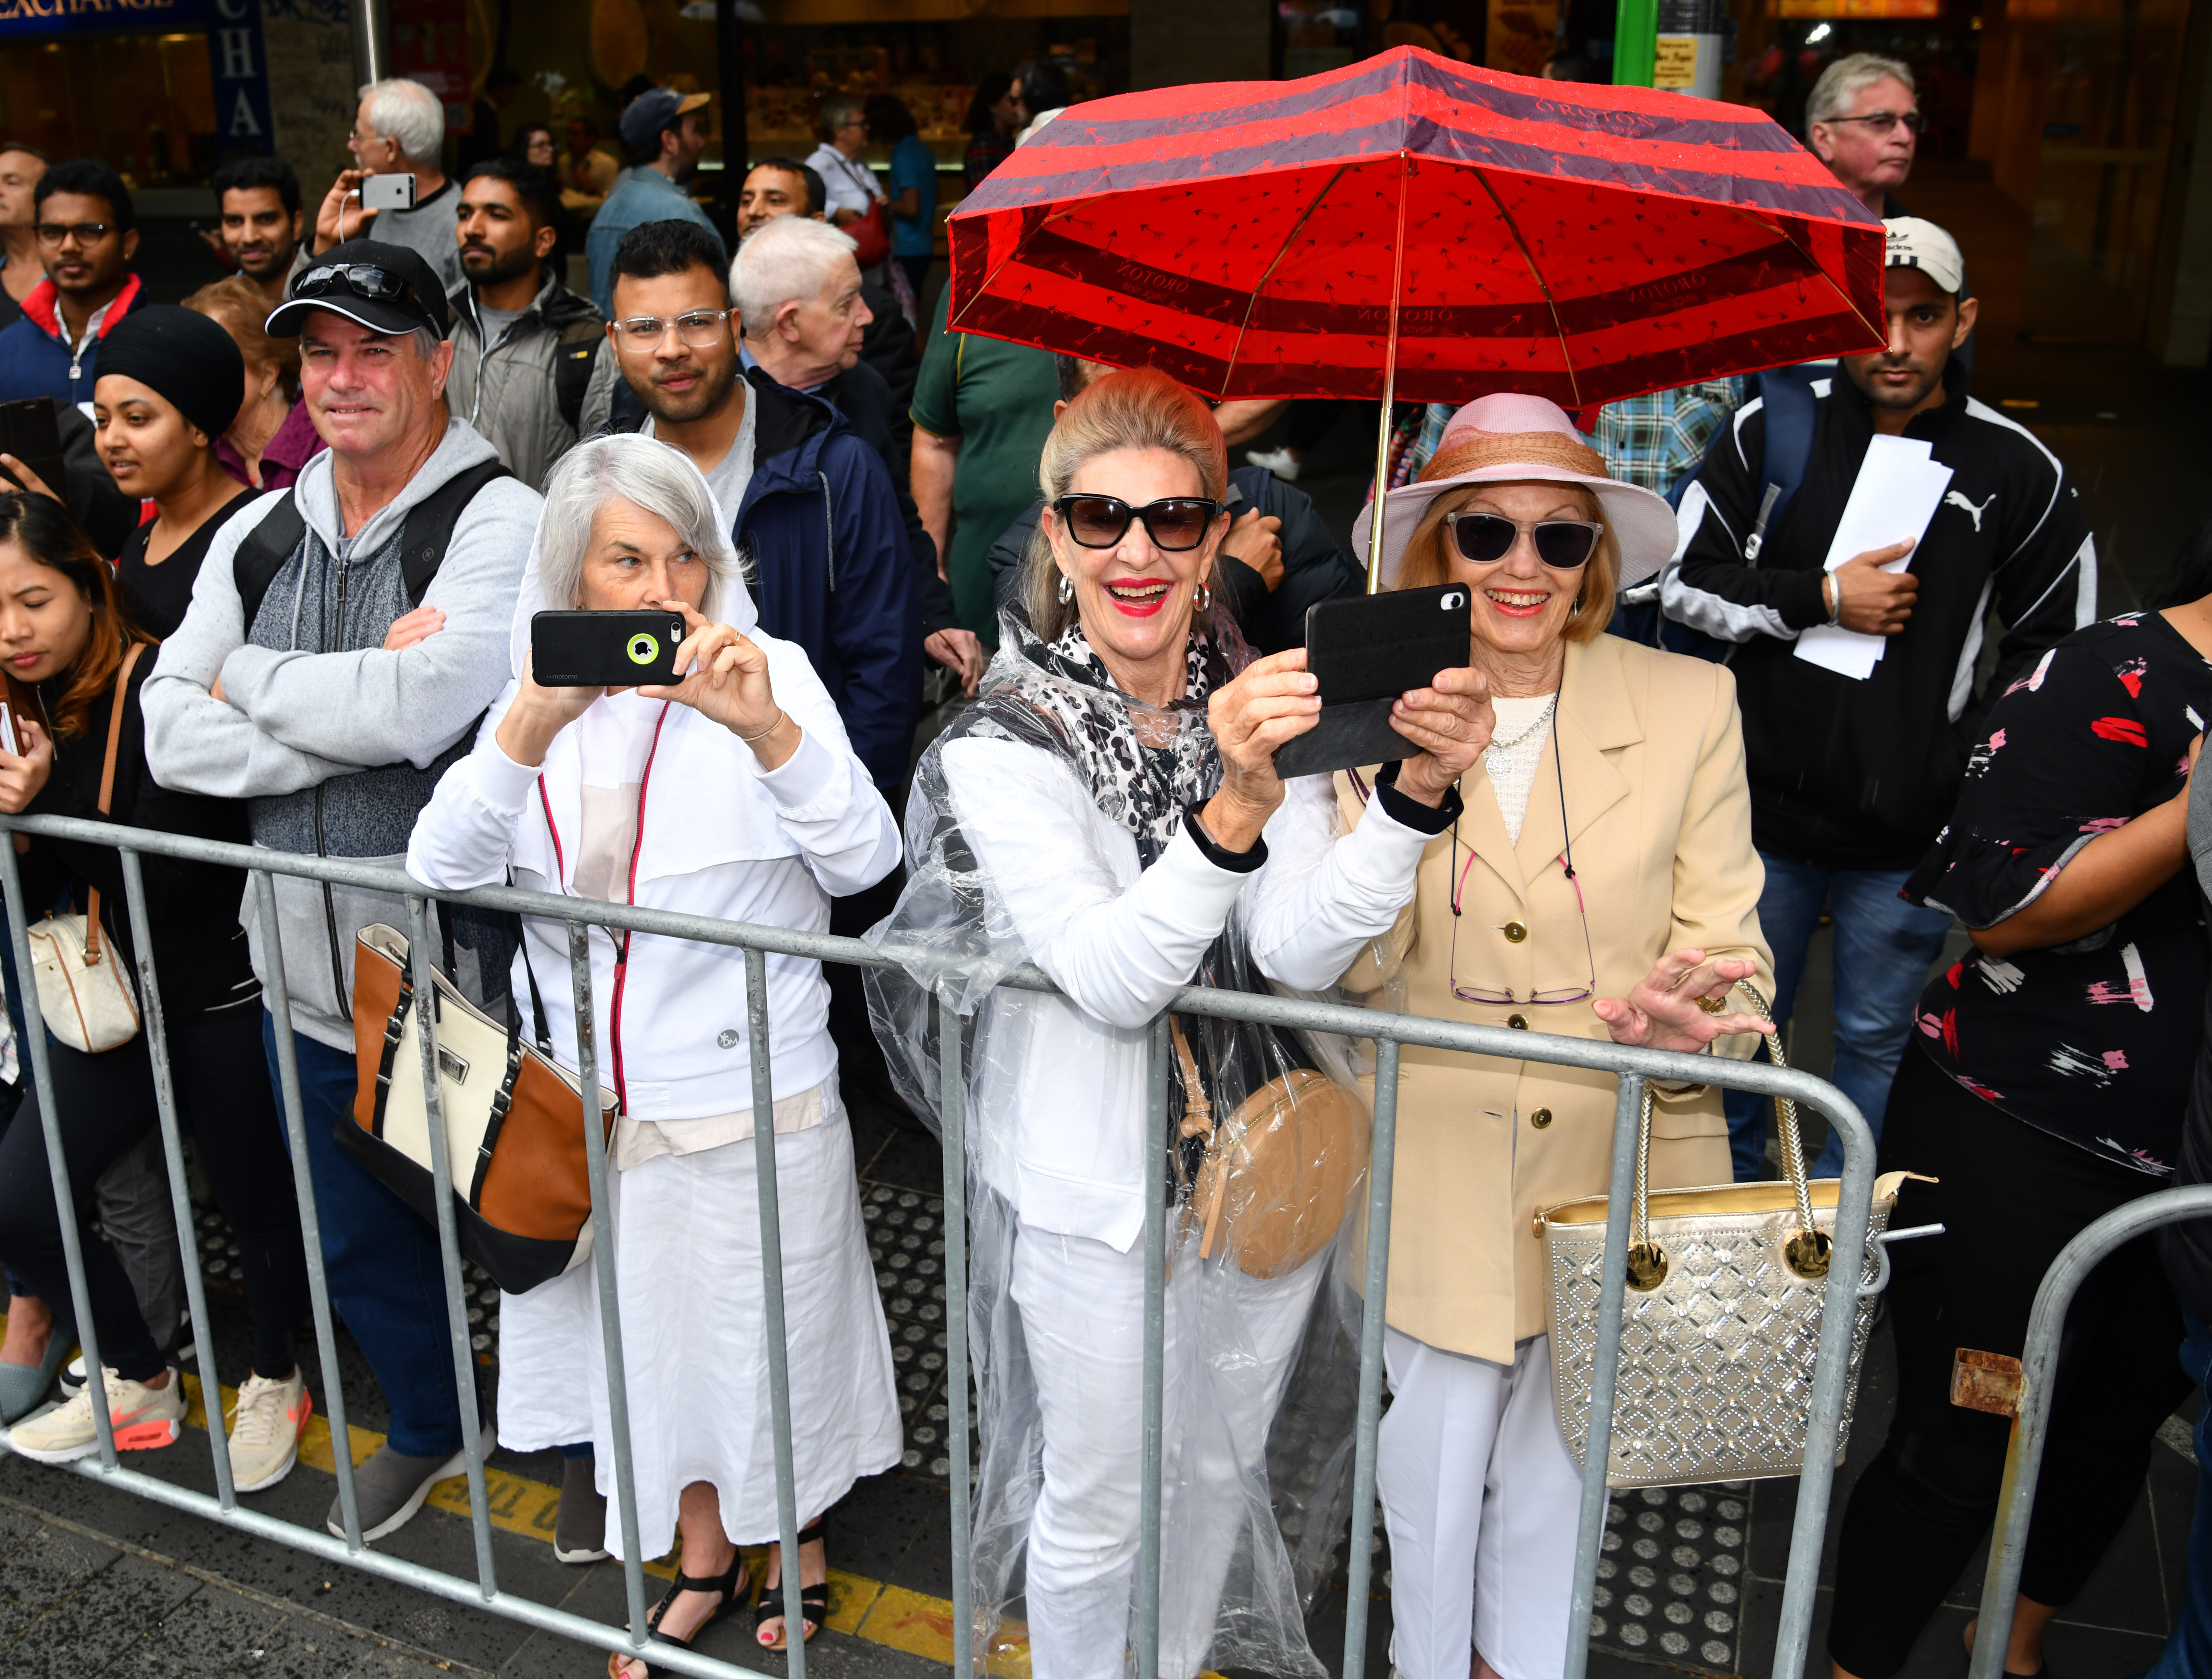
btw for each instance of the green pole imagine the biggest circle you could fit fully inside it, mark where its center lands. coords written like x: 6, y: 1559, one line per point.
x: 1635, y: 42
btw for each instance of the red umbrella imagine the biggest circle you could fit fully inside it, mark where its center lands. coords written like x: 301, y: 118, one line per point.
x: 1473, y: 230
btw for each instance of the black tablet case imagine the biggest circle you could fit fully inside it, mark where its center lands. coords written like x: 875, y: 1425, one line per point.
x: 1367, y: 650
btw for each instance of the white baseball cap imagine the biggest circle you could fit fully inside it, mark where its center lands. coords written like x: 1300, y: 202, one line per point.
x: 1914, y: 243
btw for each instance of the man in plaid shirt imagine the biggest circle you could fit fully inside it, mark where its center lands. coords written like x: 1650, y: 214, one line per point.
x: 1657, y: 440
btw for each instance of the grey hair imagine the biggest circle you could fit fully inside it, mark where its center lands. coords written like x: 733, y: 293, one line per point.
x: 408, y: 114
x: 836, y: 111
x: 649, y: 474
x: 1846, y: 77
x: 787, y: 260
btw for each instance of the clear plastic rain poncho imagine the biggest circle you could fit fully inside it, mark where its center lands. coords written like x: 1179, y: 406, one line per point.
x: 1263, y: 1357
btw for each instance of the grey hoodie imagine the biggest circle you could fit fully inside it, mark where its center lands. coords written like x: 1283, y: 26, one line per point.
x: 319, y: 728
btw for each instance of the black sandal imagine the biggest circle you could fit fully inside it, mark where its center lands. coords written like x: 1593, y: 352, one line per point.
x: 813, y: 1601
x: 729, y: 1584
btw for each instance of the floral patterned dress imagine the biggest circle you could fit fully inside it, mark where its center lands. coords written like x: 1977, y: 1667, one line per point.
x: 2091, y: 1041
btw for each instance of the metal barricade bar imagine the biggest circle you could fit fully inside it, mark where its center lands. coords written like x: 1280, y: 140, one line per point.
x: 1389, y: 1033
x: 2039, y: 1361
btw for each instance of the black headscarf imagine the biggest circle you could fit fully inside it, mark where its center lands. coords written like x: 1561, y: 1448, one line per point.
x: 183, y: 358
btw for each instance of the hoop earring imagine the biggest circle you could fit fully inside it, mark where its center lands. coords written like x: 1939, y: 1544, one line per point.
x: 1204, y: 597
x: 1067, y: 588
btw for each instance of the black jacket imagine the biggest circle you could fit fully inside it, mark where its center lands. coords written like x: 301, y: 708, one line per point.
x: 1314, y: 568
x: 878, y: 420
x: 1863, y: 774
x: 200, y: 946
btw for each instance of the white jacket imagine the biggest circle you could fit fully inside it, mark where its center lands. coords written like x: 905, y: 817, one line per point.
x: 1059, y: 1122
x: 719, y: 837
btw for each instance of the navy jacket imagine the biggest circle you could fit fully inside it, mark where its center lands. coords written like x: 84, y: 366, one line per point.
x: 820, y: 530
x: 35, y: 362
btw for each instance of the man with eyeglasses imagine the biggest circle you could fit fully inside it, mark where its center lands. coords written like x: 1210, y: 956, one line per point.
x: 811, y: 509
x: 343, y: 639
x: 1863, y: 120
x: 87, y: 234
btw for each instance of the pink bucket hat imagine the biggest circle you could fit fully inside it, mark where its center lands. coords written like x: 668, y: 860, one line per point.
x: 1508, y: 438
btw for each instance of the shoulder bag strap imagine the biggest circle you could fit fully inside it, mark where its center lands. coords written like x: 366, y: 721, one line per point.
x: 108, y: 786
x: 264, y: 552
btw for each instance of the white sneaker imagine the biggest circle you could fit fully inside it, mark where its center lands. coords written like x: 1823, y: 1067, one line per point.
x: 143, y: 1417
x: 266, y: 1426
x: 1281, y: 462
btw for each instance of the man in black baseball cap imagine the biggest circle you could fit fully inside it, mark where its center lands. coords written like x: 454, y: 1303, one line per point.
x: 368, y: 395
x: 335, y: 722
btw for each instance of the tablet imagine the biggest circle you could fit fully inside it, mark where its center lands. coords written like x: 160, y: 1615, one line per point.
x: 1366, y: 650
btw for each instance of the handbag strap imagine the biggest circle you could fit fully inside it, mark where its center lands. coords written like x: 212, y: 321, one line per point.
x: 108, y: 788
x: 1808, y: 1248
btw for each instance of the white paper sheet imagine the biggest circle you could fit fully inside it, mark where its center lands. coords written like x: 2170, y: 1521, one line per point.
x: 1895, y: 495
x: 7, y: 731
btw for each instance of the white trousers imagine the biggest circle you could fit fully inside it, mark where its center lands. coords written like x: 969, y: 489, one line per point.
x: 1482, y: 1503
x: 1083, y: 1319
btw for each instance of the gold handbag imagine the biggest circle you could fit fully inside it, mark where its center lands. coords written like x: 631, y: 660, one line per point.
x: 1722, y: 1317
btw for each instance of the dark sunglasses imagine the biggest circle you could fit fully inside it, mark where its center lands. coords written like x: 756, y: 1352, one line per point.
x: 1563, y: 544
x: 85, y: 233
x: 1176, y: 524
x: 363, y: 280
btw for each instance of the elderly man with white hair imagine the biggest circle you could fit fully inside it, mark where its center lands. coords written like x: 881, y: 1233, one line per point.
x: 1863, y: 120
x: 732, y: 793
x: 399, y: 129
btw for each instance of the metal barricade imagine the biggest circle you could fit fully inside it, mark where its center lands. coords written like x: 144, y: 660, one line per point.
x: 2039, y: 1361
x: 1389, y: 1033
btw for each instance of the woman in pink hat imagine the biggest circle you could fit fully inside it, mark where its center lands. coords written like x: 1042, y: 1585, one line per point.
x: 1572, y: 854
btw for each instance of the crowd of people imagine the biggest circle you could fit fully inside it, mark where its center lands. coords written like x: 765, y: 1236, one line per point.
x: 284, y: 594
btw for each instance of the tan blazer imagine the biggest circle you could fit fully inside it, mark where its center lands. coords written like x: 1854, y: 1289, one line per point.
x: 1650, y: 749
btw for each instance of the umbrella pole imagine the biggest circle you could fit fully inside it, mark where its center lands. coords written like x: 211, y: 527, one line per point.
x: 1389, y: 383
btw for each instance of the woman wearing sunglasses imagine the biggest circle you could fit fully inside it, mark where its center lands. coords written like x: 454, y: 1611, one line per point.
x: 1097, y: 810
x: 1583, y: 867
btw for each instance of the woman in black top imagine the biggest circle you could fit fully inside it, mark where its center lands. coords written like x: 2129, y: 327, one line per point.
x: 64, y: 639
x: 171, y: 382
x: 2053, y: 1076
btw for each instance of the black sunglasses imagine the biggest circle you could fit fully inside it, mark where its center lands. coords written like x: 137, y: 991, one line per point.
x: 1176, y: 524
x: 1563, y: 544
x: 363, y: 280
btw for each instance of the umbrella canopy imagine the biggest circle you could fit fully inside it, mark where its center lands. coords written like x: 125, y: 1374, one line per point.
x: 1576, y: 242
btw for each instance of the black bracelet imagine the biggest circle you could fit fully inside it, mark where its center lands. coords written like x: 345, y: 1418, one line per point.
x: 1411, y: 813
x: 1235, y: 863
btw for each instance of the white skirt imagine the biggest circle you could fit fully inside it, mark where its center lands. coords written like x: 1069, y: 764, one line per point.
x: 688, y: 1278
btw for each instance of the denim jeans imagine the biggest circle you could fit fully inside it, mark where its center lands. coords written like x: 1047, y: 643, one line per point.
x: 381, y: 1260
x: 1884, y: 948
x: 2188, y: 1653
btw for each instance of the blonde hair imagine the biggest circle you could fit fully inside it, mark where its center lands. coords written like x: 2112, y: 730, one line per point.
x: 1427, y: 561
x: 237, y: 306
x: 1139, y: 408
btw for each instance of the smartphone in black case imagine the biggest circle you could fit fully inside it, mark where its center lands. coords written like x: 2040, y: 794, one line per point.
x: 605, y: 649
x: 1366, y: 650
x: 31, y: 431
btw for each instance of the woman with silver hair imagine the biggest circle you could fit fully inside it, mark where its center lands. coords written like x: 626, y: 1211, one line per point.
x: 732, y: 794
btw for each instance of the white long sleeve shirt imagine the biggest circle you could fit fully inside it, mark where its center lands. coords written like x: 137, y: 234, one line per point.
x: 719, y: 836
x: 1059, y: 1082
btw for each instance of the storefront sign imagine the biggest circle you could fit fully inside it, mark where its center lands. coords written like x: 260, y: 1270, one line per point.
x: 239, y: 63
x: 430, y: 44
x: 66, y: 17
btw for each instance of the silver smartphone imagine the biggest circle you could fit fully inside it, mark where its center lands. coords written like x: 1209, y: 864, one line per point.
x: 388, y: 192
